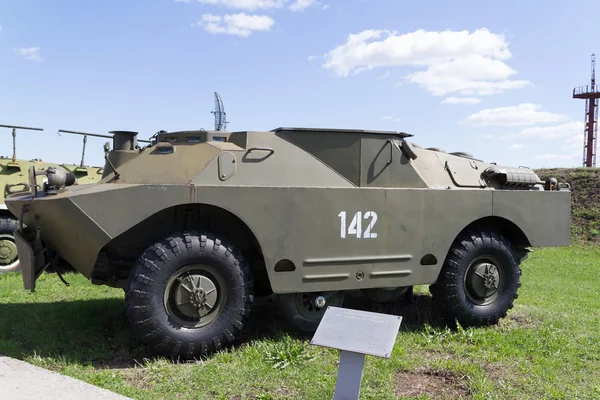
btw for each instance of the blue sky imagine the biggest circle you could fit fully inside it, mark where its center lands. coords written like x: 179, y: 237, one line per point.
x: 147, y: 65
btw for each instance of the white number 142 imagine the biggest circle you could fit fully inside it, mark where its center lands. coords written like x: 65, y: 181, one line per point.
x: 355, y: 227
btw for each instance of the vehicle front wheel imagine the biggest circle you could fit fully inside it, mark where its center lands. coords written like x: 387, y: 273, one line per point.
x: 479, y: 279
x: 9, y: 257
x: 189, y: 295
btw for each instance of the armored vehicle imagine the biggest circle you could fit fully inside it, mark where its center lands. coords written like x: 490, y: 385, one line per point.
x: 197, y: 223
x: 13, y: 172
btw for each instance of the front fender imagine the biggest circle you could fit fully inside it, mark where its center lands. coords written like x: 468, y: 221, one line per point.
x: 543, y: 216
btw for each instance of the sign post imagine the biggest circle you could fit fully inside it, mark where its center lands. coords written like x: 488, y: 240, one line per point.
x: 356, y: 333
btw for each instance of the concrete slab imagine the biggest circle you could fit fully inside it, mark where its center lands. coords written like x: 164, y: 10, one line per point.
x: 20, y: 380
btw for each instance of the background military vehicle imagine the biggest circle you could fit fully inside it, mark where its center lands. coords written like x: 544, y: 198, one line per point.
x: 12, y: 173
x: 197, y: 223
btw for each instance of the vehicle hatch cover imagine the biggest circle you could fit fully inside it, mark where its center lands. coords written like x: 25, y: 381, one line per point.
x: 465, y: 173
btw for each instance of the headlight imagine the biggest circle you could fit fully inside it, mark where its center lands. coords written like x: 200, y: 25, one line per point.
x: 56, y: 178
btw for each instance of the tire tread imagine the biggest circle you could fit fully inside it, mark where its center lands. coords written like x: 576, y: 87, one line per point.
x: 446, y: 289
x: 144, y: 304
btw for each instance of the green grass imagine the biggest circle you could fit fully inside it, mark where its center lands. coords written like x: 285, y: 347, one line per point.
x: 547, y: 347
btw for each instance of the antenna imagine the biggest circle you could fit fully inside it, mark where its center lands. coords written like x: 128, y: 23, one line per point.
x: 220, y: 114
x: 591, y: 94
x: 85, y: 135
x: 14, y: 135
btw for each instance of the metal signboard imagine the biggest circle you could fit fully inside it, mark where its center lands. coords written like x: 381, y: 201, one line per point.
x: 356, y: 333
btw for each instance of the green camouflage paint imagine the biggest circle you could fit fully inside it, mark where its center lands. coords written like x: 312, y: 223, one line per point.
x: 306, y: 214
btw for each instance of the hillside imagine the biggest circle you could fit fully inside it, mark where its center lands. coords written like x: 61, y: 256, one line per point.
x: 585, y: 206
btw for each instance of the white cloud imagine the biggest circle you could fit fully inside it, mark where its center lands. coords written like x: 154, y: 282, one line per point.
x: 454, y: 61
x: 567, y: 137
x: 550, y: 156
x: 566, y: 130
x: 385, y: 75
x: 570, y: 134
x: 242, y: 24
x: 525, y: 114
x: 390, y: 118
x: 575, y: 141
x: 301, y: 4
x: 473, y: 74
x: 30, y: 53
x: 312, y: 58
x: 249, y: 5
x: 235, y: 24
x: 253, y: 5
x: 461, y: 100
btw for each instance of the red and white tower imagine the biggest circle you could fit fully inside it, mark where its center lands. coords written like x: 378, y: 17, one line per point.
x: 591, y: 94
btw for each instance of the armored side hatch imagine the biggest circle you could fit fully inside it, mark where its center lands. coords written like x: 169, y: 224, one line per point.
x: 465, y: 173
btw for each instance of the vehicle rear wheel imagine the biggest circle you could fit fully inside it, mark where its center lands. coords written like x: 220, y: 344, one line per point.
x: 388, y: 295
x: 479, y: 279
x: 304, y: 311
x: 189, y: 295
x: 9, y: 257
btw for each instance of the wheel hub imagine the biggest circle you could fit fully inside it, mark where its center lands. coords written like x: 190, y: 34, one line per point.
x: 483, y: 282
x: 311, y: 305
x: 320, y: 301
x: 196, y: 295
x: 191, y: 297
x: 8, y: 252
x: 491, y: 279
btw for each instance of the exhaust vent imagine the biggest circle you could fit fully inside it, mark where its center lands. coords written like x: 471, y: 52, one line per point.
x: 511, y: 176
x: 124, y: 140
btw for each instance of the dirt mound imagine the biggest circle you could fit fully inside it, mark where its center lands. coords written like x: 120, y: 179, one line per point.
x: 438, y: 384
x: 585, y: 199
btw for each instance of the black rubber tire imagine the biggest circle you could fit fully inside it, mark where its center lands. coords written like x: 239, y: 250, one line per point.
x: 297, y: 318
x: 8, y: 226
x: 144, y: 298
x: 449, y: 290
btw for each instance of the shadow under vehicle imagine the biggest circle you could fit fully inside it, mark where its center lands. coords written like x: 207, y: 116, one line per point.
x: 197, y: 223
x: 13, y: 178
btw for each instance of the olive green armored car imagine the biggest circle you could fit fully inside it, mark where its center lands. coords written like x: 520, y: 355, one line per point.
x: 196, y: 224
x: 13, y: 178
